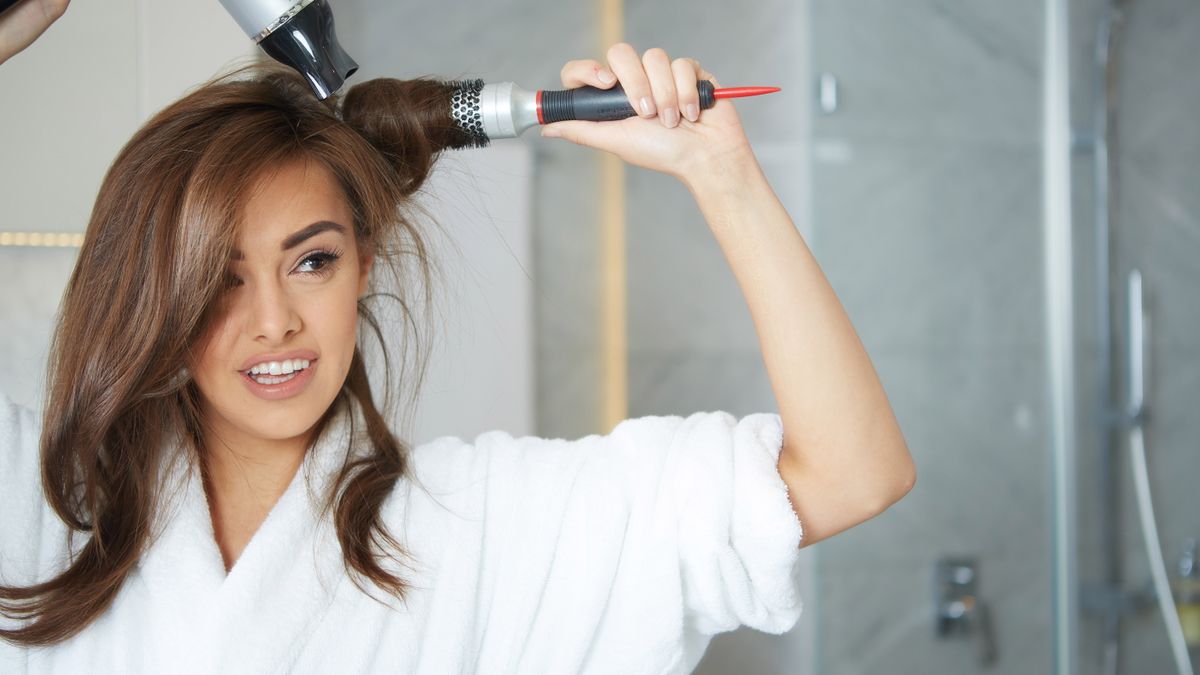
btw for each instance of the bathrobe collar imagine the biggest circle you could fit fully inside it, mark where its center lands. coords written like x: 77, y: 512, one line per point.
x: 257, y: 618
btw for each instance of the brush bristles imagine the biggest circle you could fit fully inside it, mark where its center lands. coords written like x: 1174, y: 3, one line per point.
x: 464, y: 109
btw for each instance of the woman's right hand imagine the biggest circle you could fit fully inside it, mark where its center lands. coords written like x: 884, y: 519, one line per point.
x: 23, y: 23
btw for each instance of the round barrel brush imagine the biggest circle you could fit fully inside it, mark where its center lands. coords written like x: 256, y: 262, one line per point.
x: 486, y: 112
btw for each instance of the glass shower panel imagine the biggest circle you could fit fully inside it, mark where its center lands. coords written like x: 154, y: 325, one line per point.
x: 1152, y: 147
x: 926, y: 165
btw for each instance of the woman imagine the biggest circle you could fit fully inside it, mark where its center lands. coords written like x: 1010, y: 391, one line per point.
x: 210, y: 420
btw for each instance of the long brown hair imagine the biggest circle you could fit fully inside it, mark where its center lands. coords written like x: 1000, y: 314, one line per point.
x: 147, y: 284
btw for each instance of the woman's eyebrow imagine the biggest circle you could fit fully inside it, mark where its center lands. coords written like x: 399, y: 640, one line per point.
x: 300, y: 236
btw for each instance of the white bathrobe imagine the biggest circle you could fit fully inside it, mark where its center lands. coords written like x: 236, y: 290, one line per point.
x: 618, y: 554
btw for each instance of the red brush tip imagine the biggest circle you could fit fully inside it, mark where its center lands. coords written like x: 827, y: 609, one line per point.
x: 738, y: 92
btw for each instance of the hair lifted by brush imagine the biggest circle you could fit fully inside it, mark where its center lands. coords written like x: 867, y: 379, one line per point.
x: 167, y: 211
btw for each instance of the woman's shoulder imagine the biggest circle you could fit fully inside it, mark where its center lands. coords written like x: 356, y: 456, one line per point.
x: 30, y: 532
x: 633, y: 435
x: 633, y: 446
x: 20, y: 434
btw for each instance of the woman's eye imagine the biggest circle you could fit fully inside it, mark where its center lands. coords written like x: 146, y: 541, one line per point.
x: 321, y: 263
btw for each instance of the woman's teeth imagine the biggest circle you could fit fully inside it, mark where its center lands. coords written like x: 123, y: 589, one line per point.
x: 265, y: 373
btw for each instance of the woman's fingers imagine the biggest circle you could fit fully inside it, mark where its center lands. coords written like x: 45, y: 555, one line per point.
x: 687, y: 72
x: 654, y: 83
x: 628, y: 67
x: 662, y: 83
x: 586, y: 72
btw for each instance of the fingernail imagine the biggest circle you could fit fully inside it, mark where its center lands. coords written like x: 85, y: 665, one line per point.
x: 606, y: 77
x: 670, y: 117
x: 693, y: 112
x: 647, y: 107
x: 551, y: 132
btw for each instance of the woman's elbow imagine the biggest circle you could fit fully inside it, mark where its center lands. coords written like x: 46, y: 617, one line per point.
x: 905, y: 479
x: 901, y: 477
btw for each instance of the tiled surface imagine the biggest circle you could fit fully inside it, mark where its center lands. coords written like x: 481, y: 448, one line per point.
x: 1156, y: 159
x: 934, y: 245
x: 884, y: 619
x: 927, y: 220
x: 932, y: 69
x: 679, y: 382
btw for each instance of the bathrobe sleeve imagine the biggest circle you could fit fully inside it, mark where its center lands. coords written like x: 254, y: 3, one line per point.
x: 622, y: 552
x: 709, y: 484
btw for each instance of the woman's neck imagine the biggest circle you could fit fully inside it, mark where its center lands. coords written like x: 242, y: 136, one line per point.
x: 244, y: 479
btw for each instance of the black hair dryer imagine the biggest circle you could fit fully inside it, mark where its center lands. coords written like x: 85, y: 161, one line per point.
x: 5, y: 4
x: 297, y: 33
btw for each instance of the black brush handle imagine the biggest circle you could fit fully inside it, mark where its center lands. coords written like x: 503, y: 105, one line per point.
x: 5, y: 4
x: 601, y: 105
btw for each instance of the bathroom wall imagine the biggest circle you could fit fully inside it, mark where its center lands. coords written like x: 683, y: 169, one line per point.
x: 927, y: 220
x: 692, y: 345
x: 1156, y: 229
x: 72, y: 99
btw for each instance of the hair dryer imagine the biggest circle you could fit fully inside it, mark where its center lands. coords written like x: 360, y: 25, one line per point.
x: 297, y: 33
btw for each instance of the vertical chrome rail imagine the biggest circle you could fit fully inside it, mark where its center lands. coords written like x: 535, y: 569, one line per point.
x: 1060, y: 347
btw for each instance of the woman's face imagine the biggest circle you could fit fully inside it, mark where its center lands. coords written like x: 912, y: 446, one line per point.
x: 296, y: 279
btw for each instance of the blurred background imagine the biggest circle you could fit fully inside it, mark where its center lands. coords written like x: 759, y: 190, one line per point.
x: 1003, y: 195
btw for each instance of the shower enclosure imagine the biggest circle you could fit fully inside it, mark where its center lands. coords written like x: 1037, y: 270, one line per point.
x: 993, y: 183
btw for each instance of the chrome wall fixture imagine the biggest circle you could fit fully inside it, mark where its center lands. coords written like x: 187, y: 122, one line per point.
x: 958, y: 608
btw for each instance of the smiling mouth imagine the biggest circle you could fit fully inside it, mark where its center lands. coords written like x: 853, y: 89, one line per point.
x: 296, y: 366
x: 273, y: 379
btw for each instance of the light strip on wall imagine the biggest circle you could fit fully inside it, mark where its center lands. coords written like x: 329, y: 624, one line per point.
x: 41, y: 239
x: 614, y: 280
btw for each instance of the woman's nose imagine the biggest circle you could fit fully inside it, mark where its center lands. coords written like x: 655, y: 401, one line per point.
x: 273, y: 315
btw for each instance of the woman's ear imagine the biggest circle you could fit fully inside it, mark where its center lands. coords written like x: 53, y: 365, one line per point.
x: 364, y: 271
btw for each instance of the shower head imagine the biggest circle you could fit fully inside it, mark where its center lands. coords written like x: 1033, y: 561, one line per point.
x: 297, y: 33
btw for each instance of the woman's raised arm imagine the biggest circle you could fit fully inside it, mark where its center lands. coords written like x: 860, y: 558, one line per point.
x: 22, y: 24
x: 844, y: 458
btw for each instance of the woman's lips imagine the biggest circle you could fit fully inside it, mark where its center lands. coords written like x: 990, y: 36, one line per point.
x: 292, y: 387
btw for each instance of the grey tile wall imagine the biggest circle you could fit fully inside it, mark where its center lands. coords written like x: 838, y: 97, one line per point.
x: 488, y: 40
x: 927, y: 220
x: 1156, y: 228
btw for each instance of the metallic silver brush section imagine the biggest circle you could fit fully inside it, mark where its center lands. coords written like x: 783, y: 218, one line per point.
x: 506, y: 110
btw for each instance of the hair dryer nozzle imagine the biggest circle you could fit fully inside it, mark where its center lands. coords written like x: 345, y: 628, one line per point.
x: 300, y: 34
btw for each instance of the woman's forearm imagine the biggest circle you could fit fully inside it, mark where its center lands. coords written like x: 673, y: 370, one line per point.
x: 844, y: 458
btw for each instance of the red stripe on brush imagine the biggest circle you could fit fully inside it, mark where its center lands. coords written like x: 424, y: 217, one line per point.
x: 738, y: 92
